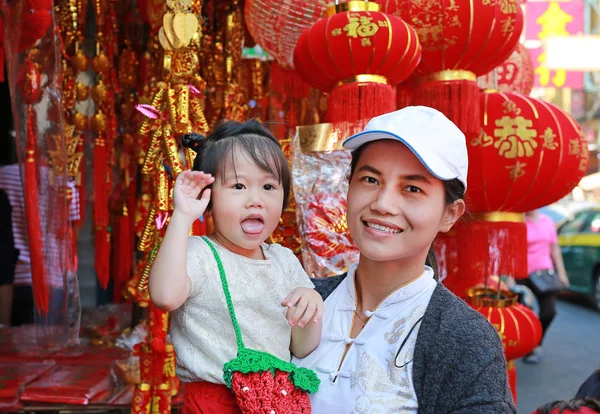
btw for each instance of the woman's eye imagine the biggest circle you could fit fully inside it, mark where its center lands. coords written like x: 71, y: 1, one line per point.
x: 413, y: 189
x: 238, y: 186
x: 370, y: 180
x: 269, y: 187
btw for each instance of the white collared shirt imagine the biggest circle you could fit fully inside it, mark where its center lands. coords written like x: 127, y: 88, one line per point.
x: 376, y: 373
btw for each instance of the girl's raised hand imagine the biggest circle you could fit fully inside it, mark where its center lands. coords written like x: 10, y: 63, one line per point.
x: 188, y: 186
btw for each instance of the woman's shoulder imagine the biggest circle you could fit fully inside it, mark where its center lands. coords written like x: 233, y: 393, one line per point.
x: 460, y: 324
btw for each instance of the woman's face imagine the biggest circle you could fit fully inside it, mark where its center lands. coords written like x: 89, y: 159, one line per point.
x: 395, y: 206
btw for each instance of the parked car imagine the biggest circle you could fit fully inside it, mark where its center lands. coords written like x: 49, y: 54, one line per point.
x: 579, y: 240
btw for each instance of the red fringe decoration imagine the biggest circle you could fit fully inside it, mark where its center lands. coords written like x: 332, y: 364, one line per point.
x: 287, y: 83
x: 122, y: 253
x: 102, y: 255
x: 359, y: 102
x: 37, y: 16
x: 34, y: 229
x: 404, y: 95
x: 489, y: 249
x: 511, y: 371
x: 457, y: 99
x: 101, y: 219
x: 1, y: 51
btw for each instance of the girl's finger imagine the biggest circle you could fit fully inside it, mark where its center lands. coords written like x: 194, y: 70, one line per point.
x: 319, y: 312
x: 292, y: 298
x: 311, y: 307
x: 299, y: 311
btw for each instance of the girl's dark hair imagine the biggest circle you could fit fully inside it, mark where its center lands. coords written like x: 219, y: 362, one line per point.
x: 251, y: 137
x: 454, y: 189
x: 572, y: 405
x: 590, y: 387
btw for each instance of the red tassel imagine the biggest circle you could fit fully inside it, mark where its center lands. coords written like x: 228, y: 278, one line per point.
x: 1, y: 50
x: 122, y: 255
x: 490, y: 249
x: 37, y: 18
x: 359, y: 102
x: 101, y: 219
x: 457, y: 99
x: 511, y: 371
x: 199, y: 228
x: 287, y: 83
x: 34, y: 231
x: 102, y: 255
x: 404, y: 95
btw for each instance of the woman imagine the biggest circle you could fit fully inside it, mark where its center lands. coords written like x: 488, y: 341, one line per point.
x: 544, y: 260
x: 395, y: 340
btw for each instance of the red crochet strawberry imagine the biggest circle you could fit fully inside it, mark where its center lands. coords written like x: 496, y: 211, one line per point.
x: 263, y: 393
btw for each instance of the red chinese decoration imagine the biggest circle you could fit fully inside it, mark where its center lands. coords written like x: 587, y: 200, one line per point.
x: 37, y: 19
x: 30, y: 89
x: 519, y: 328
x: 461, y: 40
x: 516, y: 74
x: 358, y: 54
x: 529, y: 154
x: 276, y: 25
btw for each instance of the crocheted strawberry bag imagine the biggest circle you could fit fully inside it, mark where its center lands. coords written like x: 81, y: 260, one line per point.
x: 261, y: 382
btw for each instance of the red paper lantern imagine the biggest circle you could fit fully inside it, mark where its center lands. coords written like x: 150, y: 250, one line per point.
x: 519, y: 328
x: 357, y: 54
x: 515, y: 74
x: 461, y: 39
x: 276, y: 25
x: 529, y: 154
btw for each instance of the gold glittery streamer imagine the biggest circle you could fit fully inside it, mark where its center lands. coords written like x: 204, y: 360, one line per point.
x: 149, y: 232
x: 199, y: 120
x: 143, y: 283
x: 162, y: 190
x: 173, y: 158
x: 190, y: 156
x: 153, y: 150
x: 183, y: 107
x: 171, y: 101
x: 157, y: 102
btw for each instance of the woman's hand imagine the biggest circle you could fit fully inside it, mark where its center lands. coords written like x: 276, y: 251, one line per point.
x: 303, y: 305
x: 188, y: 186
x: 564, y: 279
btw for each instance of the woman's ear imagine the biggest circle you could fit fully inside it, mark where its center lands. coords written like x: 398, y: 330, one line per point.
x: 453, y: 212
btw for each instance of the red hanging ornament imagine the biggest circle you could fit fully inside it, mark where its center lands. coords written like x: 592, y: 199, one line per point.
x: 30, y: 89
x: 276, y: 25
x: 358, y: 55
x: 515, y: 74
x: 37, y: 19
x: 461, y: 40
x: 519, y: 328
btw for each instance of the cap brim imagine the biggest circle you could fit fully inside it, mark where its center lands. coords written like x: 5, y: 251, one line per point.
x: 435, y: 165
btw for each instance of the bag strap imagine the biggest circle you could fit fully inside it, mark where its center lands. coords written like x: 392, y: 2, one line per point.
x: 236, y: 327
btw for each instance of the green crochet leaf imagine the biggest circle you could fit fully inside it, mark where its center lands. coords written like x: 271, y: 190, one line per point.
x: 250, y: 360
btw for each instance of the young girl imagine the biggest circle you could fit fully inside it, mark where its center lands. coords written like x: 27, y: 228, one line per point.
x: 395, y: 340
x: 242, y: 177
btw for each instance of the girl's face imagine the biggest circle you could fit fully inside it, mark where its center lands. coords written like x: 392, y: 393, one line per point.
x: 395, y: 206
x: 246, y: 205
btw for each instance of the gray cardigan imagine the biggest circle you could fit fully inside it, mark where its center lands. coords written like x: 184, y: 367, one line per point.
x: 459, y: 365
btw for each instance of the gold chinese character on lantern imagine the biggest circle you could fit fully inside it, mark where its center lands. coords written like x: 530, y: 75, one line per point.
x: 549, y: 137
x: 482, y: 140
x: 574, y: 147
x: 169, y: 366
x: 516, y: 138
x: 508, y: 6
x: 365, y: 41
x: 554, y: 24
x: 360, y: 26
x: 516, y: 171
x: 336, y: 32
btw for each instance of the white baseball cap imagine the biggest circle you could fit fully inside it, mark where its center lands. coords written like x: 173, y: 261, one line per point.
x: 436, y: 141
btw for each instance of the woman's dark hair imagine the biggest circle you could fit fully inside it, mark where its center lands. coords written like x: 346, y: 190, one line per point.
x: 454, y: 190
x: 250, y: 137
x: 590, y: 387
x: 572, y: 405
